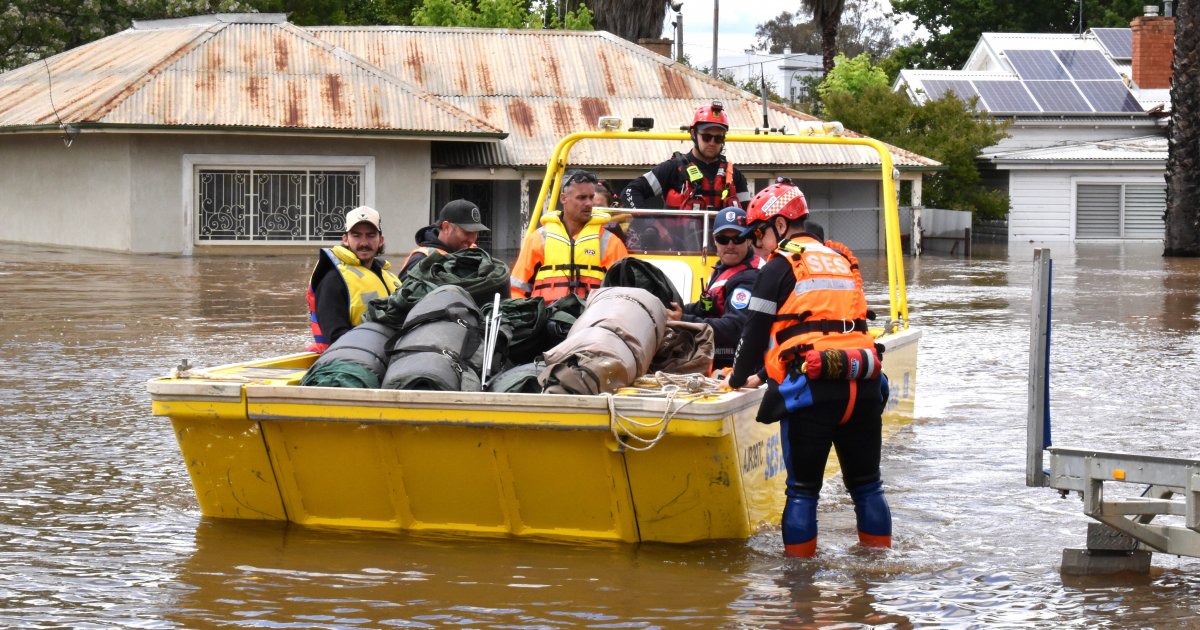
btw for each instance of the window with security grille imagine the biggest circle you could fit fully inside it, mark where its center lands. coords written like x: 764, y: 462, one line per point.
x: 274, y: 205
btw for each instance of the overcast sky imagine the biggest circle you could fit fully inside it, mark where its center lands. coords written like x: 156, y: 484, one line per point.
x: 738, y: 19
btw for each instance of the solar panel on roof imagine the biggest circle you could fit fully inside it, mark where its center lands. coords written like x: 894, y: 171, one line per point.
x: 1037, y: 65
x: 1005, y: 96
x: 1109, y: 96
x: 1058, y: 96
x: 1117, y: 41
x: 937, y: 88
x: 1087, y: 65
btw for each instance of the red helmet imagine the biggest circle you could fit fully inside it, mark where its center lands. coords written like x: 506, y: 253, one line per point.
x: 782, y: 199
x: 711, y: 114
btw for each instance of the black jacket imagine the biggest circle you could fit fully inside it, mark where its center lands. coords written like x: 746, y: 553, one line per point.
x: 425, y: 237
x: 727, y: 328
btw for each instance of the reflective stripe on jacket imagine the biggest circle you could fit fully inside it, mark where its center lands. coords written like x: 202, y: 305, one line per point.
x: 826, y: 310
x: 552, y: 264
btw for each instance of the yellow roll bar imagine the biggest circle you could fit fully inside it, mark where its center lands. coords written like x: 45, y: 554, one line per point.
x: 823, y: 134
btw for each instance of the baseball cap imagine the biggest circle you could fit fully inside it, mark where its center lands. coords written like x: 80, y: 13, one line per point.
x: 360, y: 214
x: 730, y: 219
x: 464, y: 214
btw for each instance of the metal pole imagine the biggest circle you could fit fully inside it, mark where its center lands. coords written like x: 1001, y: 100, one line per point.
x: 1037, y: 429
x: 679, y: 36
x: 716, y: 27
x: 763, y: 74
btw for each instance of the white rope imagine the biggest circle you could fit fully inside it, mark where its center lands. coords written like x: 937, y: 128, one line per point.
x: 690, y: 387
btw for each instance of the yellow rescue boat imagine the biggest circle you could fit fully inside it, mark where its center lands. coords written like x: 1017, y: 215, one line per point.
x: 669, y: 461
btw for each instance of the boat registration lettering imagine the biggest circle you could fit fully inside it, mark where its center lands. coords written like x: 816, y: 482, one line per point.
x: 774, y: 457
x: 766, y: 454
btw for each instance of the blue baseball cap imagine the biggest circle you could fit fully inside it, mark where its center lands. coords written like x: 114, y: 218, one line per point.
x: 730, y: 219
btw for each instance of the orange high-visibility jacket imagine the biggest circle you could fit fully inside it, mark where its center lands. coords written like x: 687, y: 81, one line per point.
x: 826, y: 310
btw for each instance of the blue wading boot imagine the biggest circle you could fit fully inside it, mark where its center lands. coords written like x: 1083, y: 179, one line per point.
x: 800, y: 527
x: 873, y: 515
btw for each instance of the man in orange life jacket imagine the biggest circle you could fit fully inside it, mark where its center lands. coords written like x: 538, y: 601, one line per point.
x: 346, y: 278
x: 571, y: 251
x: 809, y: 297
x: 458, y: 226
x: 701, y: 177
x: 727, y: 294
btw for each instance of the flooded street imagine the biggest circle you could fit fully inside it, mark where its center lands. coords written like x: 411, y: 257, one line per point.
x: 99, y: 525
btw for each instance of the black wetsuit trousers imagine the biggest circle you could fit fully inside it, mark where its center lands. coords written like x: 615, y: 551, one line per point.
x: 808, y: 434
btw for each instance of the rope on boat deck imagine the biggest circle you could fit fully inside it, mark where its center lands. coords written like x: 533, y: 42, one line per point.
x: 690, y: 387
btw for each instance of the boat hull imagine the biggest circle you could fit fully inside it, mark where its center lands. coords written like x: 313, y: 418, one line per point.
x: 257, y: 446
x: 505, y: 464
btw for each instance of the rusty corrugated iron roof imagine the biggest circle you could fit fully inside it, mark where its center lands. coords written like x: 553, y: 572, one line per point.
x: 541, y: 85
x: 215, y: 73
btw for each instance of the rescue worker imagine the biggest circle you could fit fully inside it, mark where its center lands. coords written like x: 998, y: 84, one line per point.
x: 458, y: 226
x: 701, y: 178
x: 571, y: 251
x: 347, y: 277
x: 726, y: 296
x: 809, y: 297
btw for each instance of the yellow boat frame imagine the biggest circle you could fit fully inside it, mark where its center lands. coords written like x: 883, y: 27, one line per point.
x: 825, y: 133
x: 257, y: 446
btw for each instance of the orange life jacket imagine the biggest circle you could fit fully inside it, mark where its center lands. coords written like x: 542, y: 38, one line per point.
x: 826, y: 310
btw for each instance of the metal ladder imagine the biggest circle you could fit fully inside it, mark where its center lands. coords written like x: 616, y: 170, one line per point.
x: 1173, y: 484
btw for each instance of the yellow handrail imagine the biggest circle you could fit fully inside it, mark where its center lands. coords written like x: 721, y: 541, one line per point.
x: 898, y: 297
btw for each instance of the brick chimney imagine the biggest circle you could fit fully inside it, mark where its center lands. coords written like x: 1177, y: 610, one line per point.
x: 1153, y: 49
x: 661, y: 46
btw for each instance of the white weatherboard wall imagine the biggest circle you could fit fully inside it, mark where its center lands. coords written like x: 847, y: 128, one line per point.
x: 1043, y: 201
x: 1041, y: 205
x: 126, y: 192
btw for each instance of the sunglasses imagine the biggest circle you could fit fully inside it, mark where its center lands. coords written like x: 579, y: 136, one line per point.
x: 708, y: 137
x: 580, y: 177
x: 721, y: 239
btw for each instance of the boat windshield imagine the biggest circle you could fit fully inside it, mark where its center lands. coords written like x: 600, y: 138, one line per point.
x: 683, y: 232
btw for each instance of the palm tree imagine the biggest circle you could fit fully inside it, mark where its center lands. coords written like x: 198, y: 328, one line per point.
x: 627, y: 19
x: 827, y: 16
x: 1183, y: 152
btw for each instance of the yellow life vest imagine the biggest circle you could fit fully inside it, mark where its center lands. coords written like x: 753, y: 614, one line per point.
x: 571, y: 265
x: 362, y: 284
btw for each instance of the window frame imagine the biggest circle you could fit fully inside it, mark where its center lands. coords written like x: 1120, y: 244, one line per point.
x: 193, y: 163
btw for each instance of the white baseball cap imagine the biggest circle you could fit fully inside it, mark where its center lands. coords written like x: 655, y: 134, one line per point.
x: 361, y: 214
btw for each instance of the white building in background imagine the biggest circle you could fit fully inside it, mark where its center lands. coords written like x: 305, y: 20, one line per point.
x: 785, y: 72
x: 1086, y: 157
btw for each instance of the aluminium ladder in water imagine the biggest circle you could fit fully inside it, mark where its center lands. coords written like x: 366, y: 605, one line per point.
x: 1172, y: 484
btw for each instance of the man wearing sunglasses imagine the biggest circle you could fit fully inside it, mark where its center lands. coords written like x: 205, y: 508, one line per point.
x: 571, y: 251
x: 727, y: 294
x: 699, y: 179
x: 808, y: 301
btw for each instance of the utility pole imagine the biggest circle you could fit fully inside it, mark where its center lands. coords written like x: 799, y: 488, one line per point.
x: 716, y: 27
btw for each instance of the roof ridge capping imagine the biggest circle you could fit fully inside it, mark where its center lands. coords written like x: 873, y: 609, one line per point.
x: 210, y: 19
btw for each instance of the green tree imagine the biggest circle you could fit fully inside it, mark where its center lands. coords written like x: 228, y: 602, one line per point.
x: 853, y: 76
x: 499, y: 14
x: 955, y: 25
x: 33, y: 29
x: 1183, y: 153
x: 947, y: 130
x: 866, y: 26
x: 827, y: 16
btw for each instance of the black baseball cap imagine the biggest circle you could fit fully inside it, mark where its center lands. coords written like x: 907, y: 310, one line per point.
x: 464, y: 214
